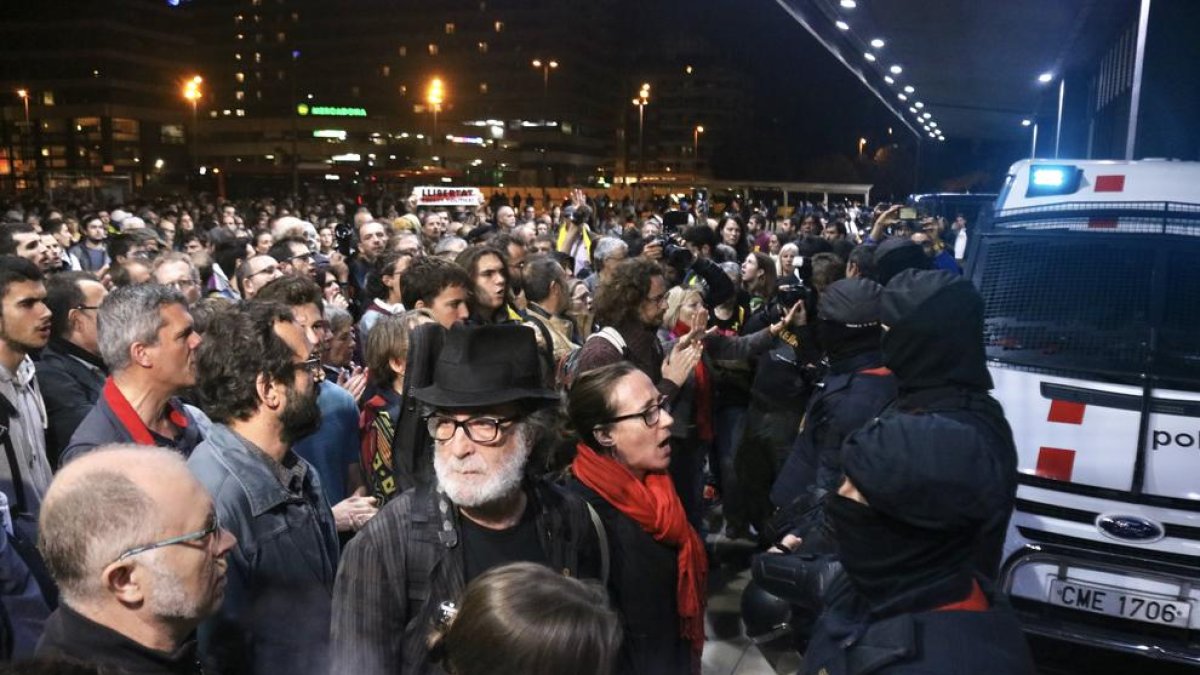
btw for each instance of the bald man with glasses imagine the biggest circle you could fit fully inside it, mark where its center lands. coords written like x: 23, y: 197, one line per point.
x: 135, y: 546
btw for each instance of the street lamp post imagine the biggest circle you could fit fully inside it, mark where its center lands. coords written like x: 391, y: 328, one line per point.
x: 24, y: 95
x: 696, y: 148
x: 642, y: 99
x: 434, y: 97
x: 191, y: 92
x: 546, y: 67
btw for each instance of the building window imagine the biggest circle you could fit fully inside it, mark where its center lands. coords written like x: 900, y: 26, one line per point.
x: 47, y: 98
x: 433, y: 50
x: 240, y: 77
x: 386, y: 71
x: 257, y: 57
x: 483, y: 87
x: 240, y: 36
x: 280, y: 36
x: 403, y: 51
x: 295, y: 17
x: 404, y: 90
x: 499, y: 26
x: 239, y: 95
x: 279, y: 75
x: 237, y: 57
x: 483, y: 47
x: 450, y: 29
x: 237, y: 19
x: 355, y: 91
x: 258, y: 94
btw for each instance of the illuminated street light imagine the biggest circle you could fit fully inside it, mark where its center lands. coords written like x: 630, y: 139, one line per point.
x: 643, y: 98
x: 193, y: 94
x: 435, y: 96
x: 849, y: 4
x: 1045, y: 78
x: 696, y: 147
x: 862, y: 144
x: 1026, y: 122
x: 546, y: 67
x: 877, y: 43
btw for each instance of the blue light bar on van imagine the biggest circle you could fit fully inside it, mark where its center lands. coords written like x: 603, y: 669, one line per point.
x: 1053, y: 179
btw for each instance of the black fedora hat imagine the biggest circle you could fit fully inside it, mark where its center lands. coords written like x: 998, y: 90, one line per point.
x: 486, y: 366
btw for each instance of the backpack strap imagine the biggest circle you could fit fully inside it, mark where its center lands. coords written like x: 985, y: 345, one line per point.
x: 7, y: 413
x: 601, y: 535
x: 614, y: 338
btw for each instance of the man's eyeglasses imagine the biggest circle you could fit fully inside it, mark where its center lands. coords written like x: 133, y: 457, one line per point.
x: 86, y: 307
x: 649, y: 416
x: 656, y: 299
x: 478, y: 429
x: 314, y: 367
x: 308, y: 257
x: 199, y: 535
x: 266, y: 270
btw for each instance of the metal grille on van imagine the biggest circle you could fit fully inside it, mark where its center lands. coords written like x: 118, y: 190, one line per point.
x: 1105, y: 306
x: 1124, y: 217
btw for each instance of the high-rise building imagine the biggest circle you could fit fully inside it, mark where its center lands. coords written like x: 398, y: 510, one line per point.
x: 91, y: 94
x: 308, y: 90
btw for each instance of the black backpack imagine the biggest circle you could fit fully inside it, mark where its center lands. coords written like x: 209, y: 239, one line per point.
x: 412, y: 455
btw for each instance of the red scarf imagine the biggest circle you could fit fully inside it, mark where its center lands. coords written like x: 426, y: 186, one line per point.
x: 703, y: 407
x: 653, y: 504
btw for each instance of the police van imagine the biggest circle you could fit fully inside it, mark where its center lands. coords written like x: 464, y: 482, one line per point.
x: 1090, y: 274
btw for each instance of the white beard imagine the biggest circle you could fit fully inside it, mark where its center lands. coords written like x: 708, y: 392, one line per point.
x: 493, y: 484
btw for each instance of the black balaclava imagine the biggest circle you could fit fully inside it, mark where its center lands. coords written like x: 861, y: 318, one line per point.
x: 897, y: 254
x: 849, y: 314
x: 935, y: 336
x: 930, y: 485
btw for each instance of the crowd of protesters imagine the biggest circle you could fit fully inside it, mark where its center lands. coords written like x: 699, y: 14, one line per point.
x: 314, y: 436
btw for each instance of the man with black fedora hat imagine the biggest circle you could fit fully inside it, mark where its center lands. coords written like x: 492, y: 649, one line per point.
x: 406, y: 568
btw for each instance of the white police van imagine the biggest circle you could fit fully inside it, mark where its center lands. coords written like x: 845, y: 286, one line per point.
x: 1090, y: 274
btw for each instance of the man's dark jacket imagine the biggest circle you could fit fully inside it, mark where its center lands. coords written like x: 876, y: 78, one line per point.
x: 854, y: 390
x: 71, y: 380
x: 70, y: 634
x: 848, y: 642
x: 113, y: 420
x: 408, y: 560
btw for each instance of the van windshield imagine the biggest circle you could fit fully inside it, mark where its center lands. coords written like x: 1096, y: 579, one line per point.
x: 1117, y: 307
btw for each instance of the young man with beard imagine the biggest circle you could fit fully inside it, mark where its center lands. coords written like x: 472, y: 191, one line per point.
x: 139, y: 555
x: 489, y: 507
x: 91, y: 251
x: 259, y: 381
x: 24, y: 328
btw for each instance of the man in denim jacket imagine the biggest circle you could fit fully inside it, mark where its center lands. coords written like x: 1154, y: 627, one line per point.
x: 258, y: 379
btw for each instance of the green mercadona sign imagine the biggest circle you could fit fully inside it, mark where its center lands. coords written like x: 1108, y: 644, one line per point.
x: 330, y: 111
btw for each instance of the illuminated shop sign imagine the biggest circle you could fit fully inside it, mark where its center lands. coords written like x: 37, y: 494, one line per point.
x: 330, y: 111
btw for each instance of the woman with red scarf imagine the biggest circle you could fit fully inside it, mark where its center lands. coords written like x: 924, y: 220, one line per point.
x: 658, y: 566
x: 693, y: 409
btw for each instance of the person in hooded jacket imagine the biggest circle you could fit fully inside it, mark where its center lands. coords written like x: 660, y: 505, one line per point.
x: 933, y: 343
x: 919, y: 521
x: 905, y: 522
x: 856, y: 388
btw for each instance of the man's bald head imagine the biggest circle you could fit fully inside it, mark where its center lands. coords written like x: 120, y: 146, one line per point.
x: 104, y: 503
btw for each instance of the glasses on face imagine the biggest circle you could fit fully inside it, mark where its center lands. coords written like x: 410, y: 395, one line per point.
x: 306, y: 257
x: 214, y: 527
x: 266, y: 270
x: 649, y: 416
x: 86, y: 307
x: 477, y: 429
x: 656, y: 299
x: 313, y: 365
